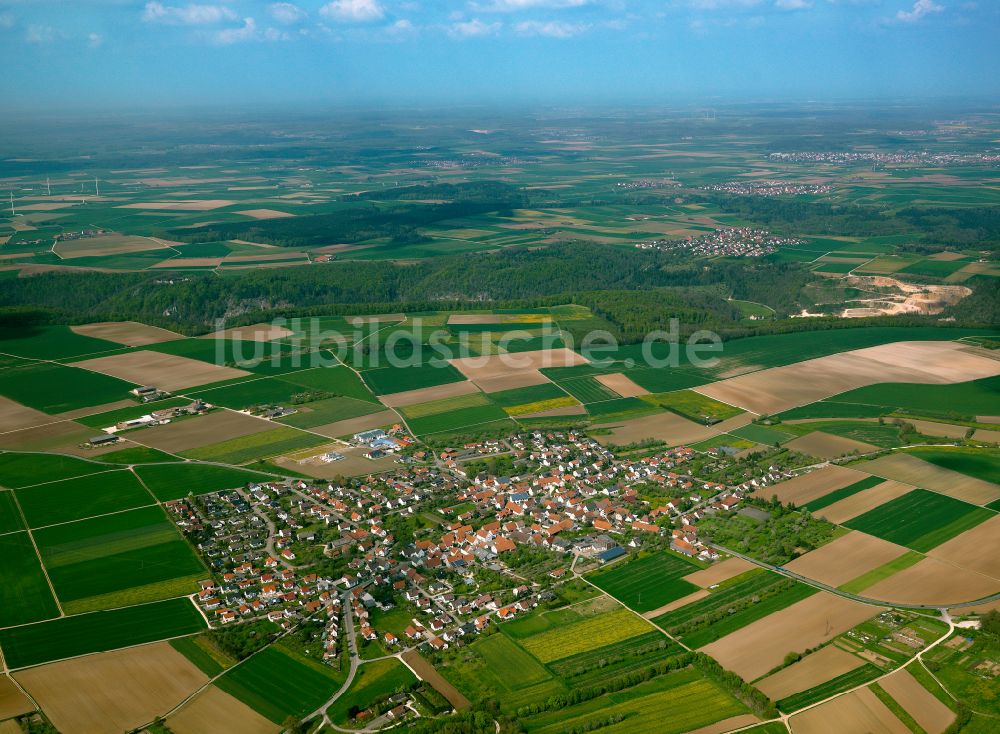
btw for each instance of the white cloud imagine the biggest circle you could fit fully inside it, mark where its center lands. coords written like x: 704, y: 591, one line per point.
x: 792, y: 4
x: 920, y: 9
x: 41, y: 34
x: 156, y: 12
x: 94, y: 40
x: 247, y: 32
x: 401, y: 27
x: 551, y: 28
x: 7, y: 20
x: 473, y: 28
x: 504, y: 6
x: 286, y: 13
x: 353, y: 11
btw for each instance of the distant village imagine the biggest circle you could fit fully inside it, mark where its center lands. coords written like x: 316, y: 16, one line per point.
x: 729, y: 242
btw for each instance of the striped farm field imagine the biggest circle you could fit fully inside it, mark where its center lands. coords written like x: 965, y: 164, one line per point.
x: 588, y: 390
x: 24, y: 592
x: 98, y: 632
x: 603, y: 629
x: 920, y: 519
x: 525, y: 395
x: 542, y: 405
x: 173, y: 481
x: 81, y: 497
x: 256, y: 446
x: 421, y: 410
x: 647, y: 583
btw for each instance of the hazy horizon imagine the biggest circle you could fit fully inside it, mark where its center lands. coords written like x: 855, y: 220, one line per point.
x: 313, y: 53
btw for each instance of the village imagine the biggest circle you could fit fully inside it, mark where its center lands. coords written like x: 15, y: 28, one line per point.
x: 730, y: 242
x: 429, y: 556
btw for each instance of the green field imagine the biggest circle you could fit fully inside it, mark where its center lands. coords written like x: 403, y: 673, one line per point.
x: 107, y: 557
x: 920, y: 519
x: 23, y: 470
x: 678, y: 702
x: 841, y: 683
x: 82, y: 497
x: 980, y: 463
x: 694, y: 406
x: 598, y: 630
x: 885, y: 436
x: 977, y: 397
x: 24, y: 592
x: 515, y: 667
x: 647, y: 583
x: 373, y: 681
x: 842, y: 493
x: 330, y: 410
x: 278, y: 683
x: 173, y: 481
x: 51, y: 342
x: 595, y: 665
x: 453, y: 420
x: 734, y: 605
x: 526, y: 395
x: 98, y: 632
x: 588, y: 390
x: 256, y: 446
x: 388, y: 380
x: 445, y: 405
x: 866, y: 580
x: 761, y: 434
x: 136, y: 455
x: 199, y: 654
x: 10, y: 516
x: 619, y: 409
x: 55, y: 388
x: 339, y: 380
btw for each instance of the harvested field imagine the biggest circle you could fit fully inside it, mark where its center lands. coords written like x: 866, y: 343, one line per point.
x: 483, y: 368
x: 933, y: 581
x: 931, y: 428
x: 351, y: 426
x: 622, y: 385
x: 977, y: 549
x: 986, y: 436
x: 521, y: 378
x: 188, y: 262
x: 676, y: 604
x: 113, y: 691
x: 191, y: 205
x: 846, y: 558
x: 556, y: 412
x: 254, y: 333
x: 667, y: 427
x: 219, y: 425
x: 828, y: 446
x: 860, y: 503
x: 819, y: 667
x: 932, y: 715
x: 265, y: 213
x: 719, y: 572
x: 807, y: 487
x: 782, y: 388
x: 129, y: 333
x: 12, y: 701
x: 906, y: 468
x: 857, y: 712
x: 14, y: 416
x: 425, y: 671
x: 165, y: 371
x: 111, y: 244
x: 762, y: 645
x: 426, y: 394
x: 216, y: 711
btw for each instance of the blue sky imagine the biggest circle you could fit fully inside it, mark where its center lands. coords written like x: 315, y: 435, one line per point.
x: 93, y: 53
